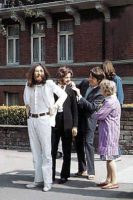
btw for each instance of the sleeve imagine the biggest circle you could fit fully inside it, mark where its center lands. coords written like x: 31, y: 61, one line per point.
x: 61, y: 94
x: 74, y: 110
x: 103, y: 111
x: 120, y: 93
x: 91, y: 106
x: 25, y: 95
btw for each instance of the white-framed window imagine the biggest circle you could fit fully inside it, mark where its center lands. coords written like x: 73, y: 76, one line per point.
x: 38, y: 42
x: 65, y: 41
x: 11, y: 99
x: 13, y: 44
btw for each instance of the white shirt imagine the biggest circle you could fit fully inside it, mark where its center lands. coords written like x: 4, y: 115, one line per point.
x: 37, y: 103
x: 60, y: 108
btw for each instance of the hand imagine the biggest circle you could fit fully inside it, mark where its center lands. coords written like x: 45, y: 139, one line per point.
x: 27, y: 110
x: 76, y: 90
x: 52, y: 110
x: 72, y: 84
x: 74, y: 131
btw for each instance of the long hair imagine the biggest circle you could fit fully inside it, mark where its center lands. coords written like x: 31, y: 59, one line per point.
x: 30, y: 75
x: 108, y: 69
x: 62, y: 72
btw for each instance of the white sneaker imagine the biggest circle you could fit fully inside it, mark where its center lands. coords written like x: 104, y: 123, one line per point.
x: 34, y: 185
x: 47, y: 187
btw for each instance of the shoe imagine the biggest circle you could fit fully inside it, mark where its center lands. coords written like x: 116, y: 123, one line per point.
x: 62, y: 180
x: 118, y: 159
x: 91, y: 177
x: 102, y: 184
x: 84, y: 173
x: 110, y: 186
x: 47, y: 187
x: 34, y: 185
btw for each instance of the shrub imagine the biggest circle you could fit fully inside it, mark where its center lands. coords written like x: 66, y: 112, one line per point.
x: 13, y: 115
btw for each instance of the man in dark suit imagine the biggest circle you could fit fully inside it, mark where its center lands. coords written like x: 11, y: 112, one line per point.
x: 66, y: 124
x: 89, y: 99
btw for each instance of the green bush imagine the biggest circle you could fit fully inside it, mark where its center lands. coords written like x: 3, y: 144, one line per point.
x: 13, y: 115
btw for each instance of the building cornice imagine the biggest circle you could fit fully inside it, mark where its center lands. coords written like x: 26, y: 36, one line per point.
x: 60, y: 6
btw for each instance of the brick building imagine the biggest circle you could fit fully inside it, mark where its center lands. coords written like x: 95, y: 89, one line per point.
x: 79, y: 33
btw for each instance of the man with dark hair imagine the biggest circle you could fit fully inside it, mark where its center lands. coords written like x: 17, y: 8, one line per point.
x: 41, y: 110
x: 66, y: 124
x: 89, y: 98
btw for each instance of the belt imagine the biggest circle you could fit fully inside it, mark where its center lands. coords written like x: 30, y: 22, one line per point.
x: 38, y: 115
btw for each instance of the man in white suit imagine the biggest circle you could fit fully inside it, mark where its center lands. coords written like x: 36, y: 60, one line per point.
x: 41, y: 110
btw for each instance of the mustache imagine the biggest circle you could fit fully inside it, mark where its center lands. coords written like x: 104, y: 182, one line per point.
x: 39, y: 75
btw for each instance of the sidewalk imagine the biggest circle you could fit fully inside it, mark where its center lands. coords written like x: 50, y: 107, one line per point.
x: 16, y: 170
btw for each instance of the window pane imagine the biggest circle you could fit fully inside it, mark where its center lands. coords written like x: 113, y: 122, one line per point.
x: 63, y: 47
x: 12, y: 99
x: 70, y: 47
x: 13, y: 30
x: 42, y: 49
x: 39, y: 28
x: 66, y: 25
x: 17, y: 50
x: 35, y: 49
x: 10, y: 51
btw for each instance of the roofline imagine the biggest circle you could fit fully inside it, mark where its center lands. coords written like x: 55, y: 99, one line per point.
x: 60, y: 5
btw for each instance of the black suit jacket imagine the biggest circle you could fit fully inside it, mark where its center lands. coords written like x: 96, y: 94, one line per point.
x: 88, y: 106
x: 70, y: 110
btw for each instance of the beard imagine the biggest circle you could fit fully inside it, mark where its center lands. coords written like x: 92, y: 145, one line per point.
x: 39, y: 79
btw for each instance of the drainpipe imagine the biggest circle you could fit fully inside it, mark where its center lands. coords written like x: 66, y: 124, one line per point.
x: 105, y: 10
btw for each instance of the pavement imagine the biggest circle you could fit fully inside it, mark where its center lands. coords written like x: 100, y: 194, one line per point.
x: 16, y: 170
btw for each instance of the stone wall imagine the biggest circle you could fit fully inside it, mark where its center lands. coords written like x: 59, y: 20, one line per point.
x: 16, y: 137
x: 126, y: 136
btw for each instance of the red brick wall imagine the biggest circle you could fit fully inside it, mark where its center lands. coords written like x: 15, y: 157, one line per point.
x: 88, y: 41
x: 25, y: 47
x: 88, y: 45
x: 51, y: 45
x: 119, y: 34
x: 13, y: 73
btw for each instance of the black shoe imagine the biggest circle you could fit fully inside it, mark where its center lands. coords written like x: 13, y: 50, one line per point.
x: 63, y: 180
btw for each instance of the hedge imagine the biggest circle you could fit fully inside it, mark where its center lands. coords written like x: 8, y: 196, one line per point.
x: 16, y: 115
x: 13, y: 115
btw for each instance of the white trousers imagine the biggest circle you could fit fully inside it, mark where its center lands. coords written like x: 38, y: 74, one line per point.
x: 40, y: 140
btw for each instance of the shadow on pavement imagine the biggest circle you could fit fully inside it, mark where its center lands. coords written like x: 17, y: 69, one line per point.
x: 18, y: 179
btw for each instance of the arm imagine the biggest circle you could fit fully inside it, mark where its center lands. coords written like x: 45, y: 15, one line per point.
x: 103, y: 112
x: 25, y: 96
x: 62, y: 95
x: 91, y: 106
x: 74, y: 108
x: 120, y: 93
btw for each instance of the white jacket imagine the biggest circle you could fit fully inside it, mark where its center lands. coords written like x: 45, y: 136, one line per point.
x: 48, y: 90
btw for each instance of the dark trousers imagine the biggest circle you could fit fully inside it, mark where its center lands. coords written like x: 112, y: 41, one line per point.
x: 80, y: 149
x: 85, y: 151
x: 66, y: 137
x: 90, y: 150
